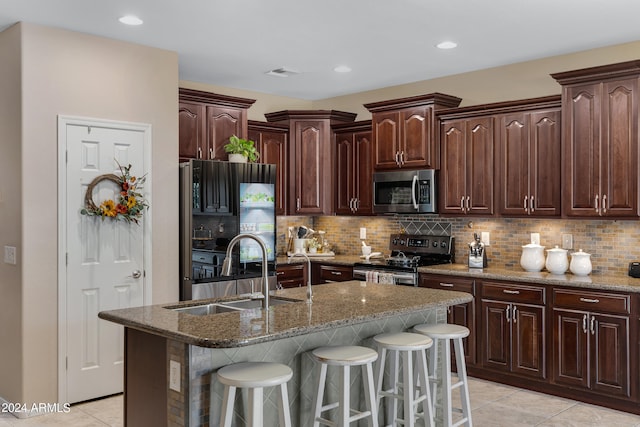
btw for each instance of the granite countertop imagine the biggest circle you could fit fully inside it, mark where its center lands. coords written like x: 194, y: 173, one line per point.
x: 593, y: 281
x: 334, y: 305
x: 336, y: 260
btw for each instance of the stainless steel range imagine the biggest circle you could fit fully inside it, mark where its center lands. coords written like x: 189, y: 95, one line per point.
x: 408, y: 252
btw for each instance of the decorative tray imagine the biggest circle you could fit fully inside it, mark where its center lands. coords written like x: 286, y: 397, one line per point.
x: 316, y: 255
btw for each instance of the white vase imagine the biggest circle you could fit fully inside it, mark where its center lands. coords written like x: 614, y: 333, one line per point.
x: 237, y: 158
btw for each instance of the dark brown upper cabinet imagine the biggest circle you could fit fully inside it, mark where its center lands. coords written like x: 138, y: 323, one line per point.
x: 311, y: 158
x: 354, y: 172
x: 404, y: 131
x: 207, y: 120
x: 600, y: 140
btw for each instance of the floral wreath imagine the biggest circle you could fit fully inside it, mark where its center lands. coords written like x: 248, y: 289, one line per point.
x: 130, y: 203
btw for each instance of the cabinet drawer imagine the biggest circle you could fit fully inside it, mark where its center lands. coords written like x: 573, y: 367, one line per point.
x: 447, y: 282
x: 334, y: 273
x: 513, y: 292
x: 591, y: 301
x: 290, y: 272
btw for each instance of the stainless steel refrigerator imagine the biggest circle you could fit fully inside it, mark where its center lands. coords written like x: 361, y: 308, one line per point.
x: 219, y: 200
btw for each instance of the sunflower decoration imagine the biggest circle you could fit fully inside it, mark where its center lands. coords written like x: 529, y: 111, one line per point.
x: 129, y: 203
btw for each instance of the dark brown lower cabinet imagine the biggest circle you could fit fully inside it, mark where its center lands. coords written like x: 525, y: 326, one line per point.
x: 292, y: 275
x: 592, y: 351
x: 327, y: 273
x: 461, y: 314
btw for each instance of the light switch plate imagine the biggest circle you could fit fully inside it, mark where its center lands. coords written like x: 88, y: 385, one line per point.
x: 10, y: 255
x: 535, y: 238
x: 484, y: 236
x: 363, y: 233
x: 174, y: 375
x: 567, y: 241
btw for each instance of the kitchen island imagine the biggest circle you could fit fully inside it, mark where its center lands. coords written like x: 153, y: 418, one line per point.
x: 171, y: 356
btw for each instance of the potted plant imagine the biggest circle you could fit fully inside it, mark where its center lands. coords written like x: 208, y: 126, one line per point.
x: 240, y: 150
x: 314, y: 245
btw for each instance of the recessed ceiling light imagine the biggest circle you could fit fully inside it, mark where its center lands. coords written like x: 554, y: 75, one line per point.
x: 446, y: 45
x: 342, y: 69
x: 130, y: 20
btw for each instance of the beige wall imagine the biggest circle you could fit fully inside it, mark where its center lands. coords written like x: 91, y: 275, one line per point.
x: 11, y: 193
x: 81, y: 75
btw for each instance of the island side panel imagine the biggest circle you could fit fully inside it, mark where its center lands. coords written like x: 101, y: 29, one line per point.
x: 146, y: 381
x: 206, y: 393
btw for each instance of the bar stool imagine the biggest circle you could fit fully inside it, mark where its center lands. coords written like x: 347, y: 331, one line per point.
x: 254, y: 376
x: 405, y: 344
x: 345, y: 357
x: 444, y: 333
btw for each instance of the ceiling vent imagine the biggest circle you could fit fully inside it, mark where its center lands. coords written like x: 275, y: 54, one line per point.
x: 282, y: 72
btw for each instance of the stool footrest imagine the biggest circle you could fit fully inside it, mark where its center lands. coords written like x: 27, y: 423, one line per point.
x: 460, y: 422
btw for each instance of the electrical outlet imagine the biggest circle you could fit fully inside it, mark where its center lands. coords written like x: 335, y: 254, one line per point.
x: 567, y: 241
x: 10, y: 255
x: 535, y: 238
x: 485, y: 238
x: 363, y: 233
x: 174, y: 375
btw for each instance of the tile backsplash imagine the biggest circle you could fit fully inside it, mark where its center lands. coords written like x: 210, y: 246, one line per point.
x: 612, y: 244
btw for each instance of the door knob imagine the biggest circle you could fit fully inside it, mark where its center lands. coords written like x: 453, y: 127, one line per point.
x: 136, y: 274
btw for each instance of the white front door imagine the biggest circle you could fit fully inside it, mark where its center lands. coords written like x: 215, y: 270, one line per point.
x: 104, y: 259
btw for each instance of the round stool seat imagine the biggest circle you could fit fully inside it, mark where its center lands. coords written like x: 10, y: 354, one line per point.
x: 442, y: 330
x: 254, y: 374
x: 403, y: 341
x: 348, y: 355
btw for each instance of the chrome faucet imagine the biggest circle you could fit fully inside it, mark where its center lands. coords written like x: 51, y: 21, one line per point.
x: 309, y: 291
x: 227, y: 264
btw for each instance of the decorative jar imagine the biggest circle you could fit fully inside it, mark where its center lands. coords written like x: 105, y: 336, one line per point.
x: 532, y: 258
x: 580, y: 263
x: 557, y: 260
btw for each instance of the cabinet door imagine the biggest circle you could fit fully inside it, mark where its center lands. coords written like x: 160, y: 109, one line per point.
x: 528, y: 340
x: 417, y: 148
x: 496, y: 335
x: 363, y: 173
x: 513, y: 167
x: 619, y: 165
x: 216, y: 194
x: 345, y: 163
x: 544, y: 163
x: 479, y: 162
x: 570, y: 355
x: 310, y: 177
x: 291, y: 275
x: 581, y: 149
x: 191, y: 125
x: 610, y: 354
x: 454, y: 167
x: 222, y: 123
x: 272, y: 148
x: 386, y: 140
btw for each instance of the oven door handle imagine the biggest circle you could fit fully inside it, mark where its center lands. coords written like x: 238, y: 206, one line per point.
x: 414, y: 199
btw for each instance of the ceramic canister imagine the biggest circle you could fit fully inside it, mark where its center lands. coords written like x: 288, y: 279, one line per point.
x: 557, y: 260
x: 580, y: 263
x: 532, y: 258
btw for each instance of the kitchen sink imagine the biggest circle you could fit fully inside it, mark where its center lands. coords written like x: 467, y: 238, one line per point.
x: 228, y: 306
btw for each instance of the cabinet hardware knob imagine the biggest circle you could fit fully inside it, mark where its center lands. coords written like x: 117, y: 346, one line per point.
x: 511, y: 292
x: 590, y: 300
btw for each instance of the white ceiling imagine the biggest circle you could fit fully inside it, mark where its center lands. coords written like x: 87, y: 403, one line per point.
x: 233, y: 43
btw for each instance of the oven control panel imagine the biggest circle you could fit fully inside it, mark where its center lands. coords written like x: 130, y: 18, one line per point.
x: 421, y: 243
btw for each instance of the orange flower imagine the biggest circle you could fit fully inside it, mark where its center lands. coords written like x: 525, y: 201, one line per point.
x: 121, y: 209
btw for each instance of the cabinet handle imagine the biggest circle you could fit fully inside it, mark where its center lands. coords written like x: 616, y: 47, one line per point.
x: 533, y: 207
x: 199, y: 152
x: 510, y: 292
x: 462, y: 203
x: 402, y: 158
x: 508, y: 312
x: 584, y: 323
x: 514, y: 315
x: 604, y: 203
x: 336, y: 273
x: 356, y: 203
x: 446, y: 285
x: 468, y: 204
x: 298, y: 204
x: 210, y: 153
x: 279, y: 273
x: 593, y: 324
x: 525, y: 203
x: 590, y: 300
x: 597, y: 210
x: 398, y: 158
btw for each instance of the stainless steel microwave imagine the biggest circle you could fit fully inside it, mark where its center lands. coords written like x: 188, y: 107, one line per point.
x: 405, y: 191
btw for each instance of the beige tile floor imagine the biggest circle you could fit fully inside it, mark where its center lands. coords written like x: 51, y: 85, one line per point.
x: 493, y: 405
